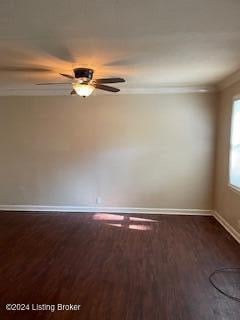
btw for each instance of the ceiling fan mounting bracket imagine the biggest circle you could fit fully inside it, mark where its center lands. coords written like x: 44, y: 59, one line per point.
x: 84, y: 73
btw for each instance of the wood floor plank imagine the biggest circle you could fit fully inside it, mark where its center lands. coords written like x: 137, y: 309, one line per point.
x: 117, y: 267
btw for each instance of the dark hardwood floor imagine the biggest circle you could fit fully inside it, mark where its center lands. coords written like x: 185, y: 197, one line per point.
x: 116, y: 267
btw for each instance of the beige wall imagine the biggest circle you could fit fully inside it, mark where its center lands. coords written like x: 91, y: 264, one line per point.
x: 227, y: 201
x: 132, y: 150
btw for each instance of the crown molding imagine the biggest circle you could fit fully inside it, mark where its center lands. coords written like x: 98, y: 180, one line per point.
x: 53, y: 91
x: 169, y: 89
x: 229, y: 80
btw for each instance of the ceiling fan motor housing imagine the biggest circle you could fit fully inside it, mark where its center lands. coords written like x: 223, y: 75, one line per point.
x: 83, y: 73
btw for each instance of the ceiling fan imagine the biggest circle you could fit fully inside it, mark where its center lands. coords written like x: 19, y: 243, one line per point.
x: 83, y: 83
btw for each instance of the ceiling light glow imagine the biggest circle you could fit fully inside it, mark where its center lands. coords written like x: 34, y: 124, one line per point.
x: 83, y: 89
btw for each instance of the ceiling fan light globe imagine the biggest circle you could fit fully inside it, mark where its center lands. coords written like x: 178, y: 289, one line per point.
x: 83, y: 89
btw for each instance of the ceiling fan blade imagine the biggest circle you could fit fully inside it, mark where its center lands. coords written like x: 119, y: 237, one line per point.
x: 51, y: 83
x: 109, y: 80
x: 106, y: 88
x: 67, y: 75
x: 73, y: 92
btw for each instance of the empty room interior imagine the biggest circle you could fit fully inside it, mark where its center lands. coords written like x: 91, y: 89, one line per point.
x: 120, y: 160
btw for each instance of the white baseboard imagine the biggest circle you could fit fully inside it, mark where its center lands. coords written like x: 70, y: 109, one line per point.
x: 82, y: 209
x: 234, y: 233
x: 85, y: 209
x: 131, y: 210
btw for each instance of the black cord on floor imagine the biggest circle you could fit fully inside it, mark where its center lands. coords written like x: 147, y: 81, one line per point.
x: 224, y: 270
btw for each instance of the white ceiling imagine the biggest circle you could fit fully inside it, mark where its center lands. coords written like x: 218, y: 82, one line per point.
x: 153, y: 44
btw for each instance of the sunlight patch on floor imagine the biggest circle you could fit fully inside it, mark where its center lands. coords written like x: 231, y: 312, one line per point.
x: 124, y: 221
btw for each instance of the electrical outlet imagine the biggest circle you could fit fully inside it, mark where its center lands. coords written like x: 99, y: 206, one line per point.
x: 98, y: 200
